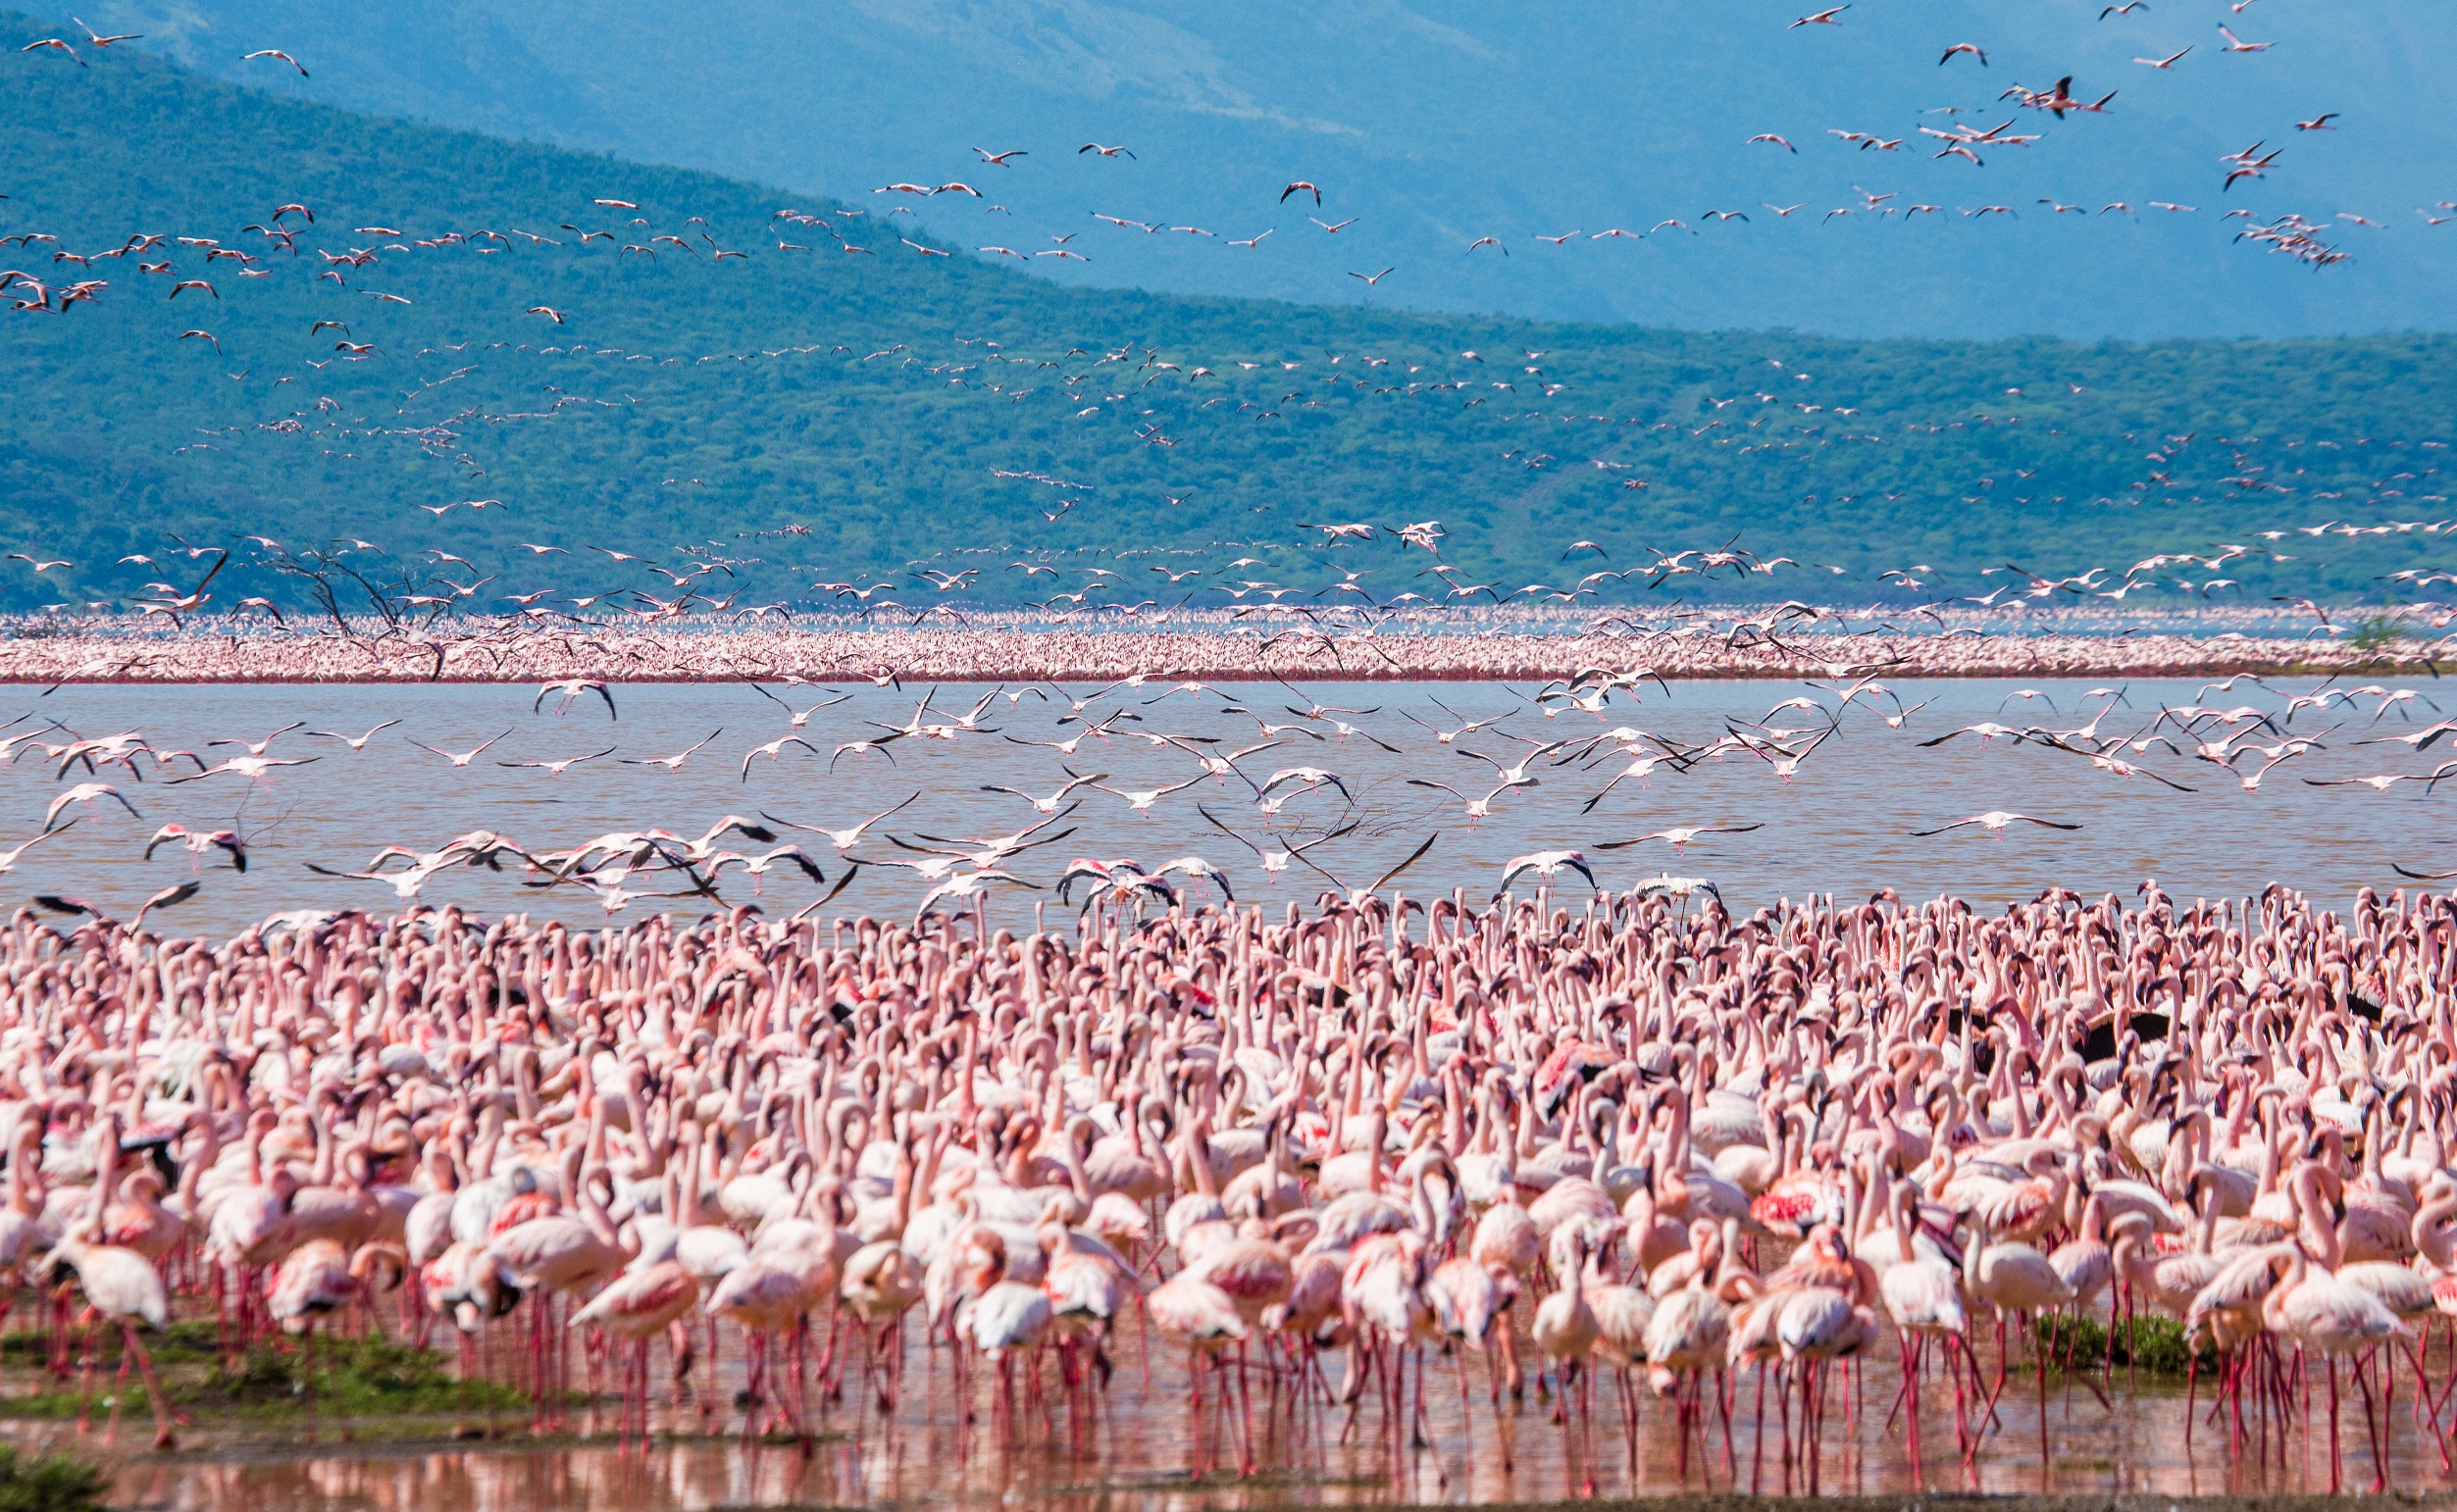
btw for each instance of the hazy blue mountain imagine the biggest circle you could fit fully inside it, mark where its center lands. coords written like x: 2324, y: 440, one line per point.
x: 1434, y: 122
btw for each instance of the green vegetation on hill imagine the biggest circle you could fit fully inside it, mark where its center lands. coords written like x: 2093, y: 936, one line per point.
x: 835, y: 415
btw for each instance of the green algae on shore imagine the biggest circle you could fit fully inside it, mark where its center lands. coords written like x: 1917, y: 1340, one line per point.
x: 362, y: 1377
x: 48, y: 1482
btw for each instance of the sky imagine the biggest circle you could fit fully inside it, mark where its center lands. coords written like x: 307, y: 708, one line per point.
x: 1429, y: 125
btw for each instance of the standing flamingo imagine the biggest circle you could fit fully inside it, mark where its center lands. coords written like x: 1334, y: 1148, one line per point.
x: 643, y: 1302
x: 122, y: 1289
x: 1566, y: 1330
x: 2322, y: 1315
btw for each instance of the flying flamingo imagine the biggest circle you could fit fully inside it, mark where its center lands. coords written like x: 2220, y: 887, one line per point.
x: 1994, y: 822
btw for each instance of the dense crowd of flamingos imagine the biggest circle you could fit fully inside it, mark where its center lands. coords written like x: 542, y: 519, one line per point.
x: 1466, y: 646
x: 1633, y: 1156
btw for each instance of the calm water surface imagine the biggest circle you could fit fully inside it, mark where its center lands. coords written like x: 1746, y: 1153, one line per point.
x: 1841, y: 826
x: 1138, y: 1449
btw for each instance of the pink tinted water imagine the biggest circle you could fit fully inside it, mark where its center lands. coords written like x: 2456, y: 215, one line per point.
x: 1140, y: 1444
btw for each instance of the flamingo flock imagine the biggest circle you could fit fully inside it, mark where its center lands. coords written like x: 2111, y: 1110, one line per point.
x: 1452, y: 645
x: 1433, y: 1174
x: 1631, y: 1156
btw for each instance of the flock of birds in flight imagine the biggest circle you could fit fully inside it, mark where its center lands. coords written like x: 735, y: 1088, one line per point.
x: 2291, y: 234
x: 1292, y: 790
x: 1782, y: 423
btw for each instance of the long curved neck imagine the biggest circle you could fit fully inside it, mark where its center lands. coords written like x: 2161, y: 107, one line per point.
x: 689, y: 1217
x: 2432, y: 1234
x: 321, y: 1174
x: 1072, y: 1149
x: 21, y: 1162
x: 1199, y: 1157
x: 2322, y: 1238
x: 2273, y: 1310
x: 2269, y: 1163
x: 106, y: 1166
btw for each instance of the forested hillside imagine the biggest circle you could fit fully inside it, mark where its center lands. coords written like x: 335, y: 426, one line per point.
x: 516, y: 361
x: 1435, y: 123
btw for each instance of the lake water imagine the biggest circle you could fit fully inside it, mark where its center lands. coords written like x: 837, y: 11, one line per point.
x: 1138, y: 1447
x: 1842, y: 824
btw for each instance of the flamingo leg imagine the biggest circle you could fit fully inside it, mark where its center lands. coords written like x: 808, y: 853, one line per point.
x: 1783, y: 1408
x: 2039, y: 1357
x: 1193, y: 1405
x: 2370, y: 1421
x: 119, y: 1395
x: 1458, y: 1366
x: 1954, y: 1367
x: 155, y: 1396
x: 307, y: 1378
x: 1911, y: 1392
x: 2192, y: 1382
x: 2336, y: 1471
x: 1246, y: 1415
x: 1492, y: 1375
x: 1757, y: 1434
x: 1562, y: 1419
x: 86, y: 1395
x: 1724, y: 1405
x: 2423, y: 1398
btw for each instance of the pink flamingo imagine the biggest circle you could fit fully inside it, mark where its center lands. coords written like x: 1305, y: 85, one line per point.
x: 1205, y: 1316
x: 122, y: 1288
x: 635, y: 1306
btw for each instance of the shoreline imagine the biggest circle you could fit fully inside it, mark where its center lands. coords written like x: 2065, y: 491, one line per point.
x: 993, y: 656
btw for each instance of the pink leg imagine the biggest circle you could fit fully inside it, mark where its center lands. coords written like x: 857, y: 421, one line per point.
x: 155, y: 1396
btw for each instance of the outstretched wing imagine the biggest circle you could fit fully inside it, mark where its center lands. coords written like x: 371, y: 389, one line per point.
x: 1414, y: 857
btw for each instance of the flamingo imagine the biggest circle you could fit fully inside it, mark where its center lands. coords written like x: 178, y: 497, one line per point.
x: 644, y: 1301
x: 1923, y: 1298
x: 2322, y: 1315
x: 1206, y: 1319
x: 763, y: 1297
x: 1004, y: 1317
x: 2010, y: 1279
x: 122, y: 1289
x: 1566, y: 1329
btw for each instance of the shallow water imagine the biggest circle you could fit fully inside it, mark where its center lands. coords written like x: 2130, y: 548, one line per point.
x: 1139, y: 1444
x: 1842, y: 825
